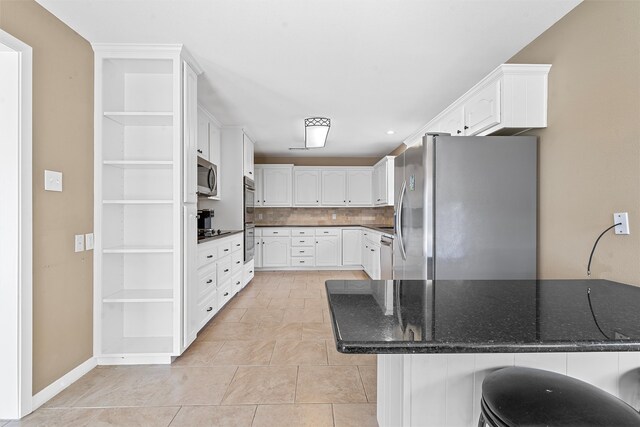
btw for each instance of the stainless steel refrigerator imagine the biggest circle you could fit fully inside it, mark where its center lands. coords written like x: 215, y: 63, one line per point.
x: 466, y: 208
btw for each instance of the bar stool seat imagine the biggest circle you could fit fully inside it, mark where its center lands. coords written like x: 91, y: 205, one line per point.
x: 532, y: 397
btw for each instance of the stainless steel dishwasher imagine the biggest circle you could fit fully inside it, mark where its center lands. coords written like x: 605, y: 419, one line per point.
x: 386, y: 258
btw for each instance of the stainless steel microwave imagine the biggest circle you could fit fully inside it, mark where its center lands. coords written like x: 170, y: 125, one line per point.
x: 207, y: 178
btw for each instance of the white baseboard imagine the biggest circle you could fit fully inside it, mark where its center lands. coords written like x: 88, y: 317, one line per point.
x: 312, y: 268
x: 65, y: 381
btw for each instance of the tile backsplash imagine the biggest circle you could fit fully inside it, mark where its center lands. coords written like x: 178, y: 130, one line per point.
x: 323, y: 216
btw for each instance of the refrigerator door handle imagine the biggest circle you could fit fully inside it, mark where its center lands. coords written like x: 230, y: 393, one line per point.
x: 399, y: 221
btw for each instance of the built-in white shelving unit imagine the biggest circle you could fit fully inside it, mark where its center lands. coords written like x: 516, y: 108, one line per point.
x: 139, y: 169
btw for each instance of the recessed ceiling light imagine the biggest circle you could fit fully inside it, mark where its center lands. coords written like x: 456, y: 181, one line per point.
x: 391, y: 132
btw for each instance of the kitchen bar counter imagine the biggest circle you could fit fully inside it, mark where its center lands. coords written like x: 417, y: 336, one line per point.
x: 437, y: 341
x: 484, y: 316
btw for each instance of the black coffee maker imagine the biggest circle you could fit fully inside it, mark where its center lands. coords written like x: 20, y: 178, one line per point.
x: 205, y: 219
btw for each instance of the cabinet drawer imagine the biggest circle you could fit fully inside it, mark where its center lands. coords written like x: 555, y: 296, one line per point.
x: 236, y: 242
x: 236, y: 282
x: 268, y: 232
x: 303, y: 241
x: 224, y: 248
x: 224, y: 270
x: 302, y: 232
x: 258, y: 232
x: 224, y: 294
x: 248, y: 272
x: 207, y: 255
x: 206, y: 282
x: 327, y: 231
x: 302, y: 261
x: 302, y: 251
x: 207, y: 308
x: 237, y: 261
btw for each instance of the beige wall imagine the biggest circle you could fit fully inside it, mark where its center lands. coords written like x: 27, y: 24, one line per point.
x: 62, y: 141
x: 589, y: 155
x: 317, y: 161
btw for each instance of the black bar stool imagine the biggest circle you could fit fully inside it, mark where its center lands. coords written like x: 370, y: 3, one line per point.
x: 533, y: 397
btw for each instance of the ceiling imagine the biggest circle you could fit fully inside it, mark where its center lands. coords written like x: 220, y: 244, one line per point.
x: 371, y: 66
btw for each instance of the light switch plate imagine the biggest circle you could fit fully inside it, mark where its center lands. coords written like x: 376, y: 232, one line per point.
x: 88, y: 238
x: 52, y: 180
x: 79, y: 242
x: 623, y: 218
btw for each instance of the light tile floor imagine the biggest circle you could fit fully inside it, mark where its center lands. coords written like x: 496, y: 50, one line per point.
x: 267, y: 359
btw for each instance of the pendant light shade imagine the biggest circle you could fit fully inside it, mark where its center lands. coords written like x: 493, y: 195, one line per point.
x: 316, y: 130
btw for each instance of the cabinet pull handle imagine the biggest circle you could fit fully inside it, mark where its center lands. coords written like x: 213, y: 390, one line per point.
x: 237, y: 245
x: 226, y: 250
x: 301, y: 252
x: 250, y: 271
x: 210, y: 281
x: 210, y: 309
x: 372, y: 250
x: 326, y: 232
x: 200, y: 151
x: 237, y: 262
x: 250, y: 173
x: 209, y: 256
x: 459, y: 132
x: 301, y: 241
x: 226, y: 270
x: 226, y: 294
x: 301, y: 262
x: 237, y: 283
x: 466, y: 127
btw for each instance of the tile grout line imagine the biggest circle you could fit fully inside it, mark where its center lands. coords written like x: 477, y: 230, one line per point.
x: 175, y: 415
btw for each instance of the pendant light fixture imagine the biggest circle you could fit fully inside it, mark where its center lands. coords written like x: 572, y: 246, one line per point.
x: 316, y: 130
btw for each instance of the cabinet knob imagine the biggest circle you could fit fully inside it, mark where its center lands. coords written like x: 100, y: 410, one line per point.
x: 210, y: 309
x: 250, y: 271
x: 317, y: 201
x: 237, y: 283
x: 226, y: 270
x: 226, y: 294
x: 200, y: 151
x: 459, y: 132
x: 237, y: 262
x: 250, y: 173
x: 466, y: 127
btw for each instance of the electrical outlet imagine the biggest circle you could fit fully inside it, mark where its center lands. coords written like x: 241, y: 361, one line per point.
x: 623, y: 218
x: 259, y: 216
x: 333, y: 216
x: 52, y: 181
x: 79, y: 242
x: 88, y: 238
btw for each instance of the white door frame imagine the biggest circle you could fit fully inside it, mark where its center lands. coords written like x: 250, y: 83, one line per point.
x: 15, y: 228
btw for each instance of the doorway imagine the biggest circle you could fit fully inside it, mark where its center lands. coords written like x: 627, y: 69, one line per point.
x: 15, y: 228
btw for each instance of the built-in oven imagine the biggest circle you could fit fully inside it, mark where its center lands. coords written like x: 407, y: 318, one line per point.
x: 249, y: 226
x: 207, y: 178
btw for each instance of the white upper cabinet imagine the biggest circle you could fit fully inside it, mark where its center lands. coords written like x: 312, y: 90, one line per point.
x: 203, y: 135
x: 306, y: 187
x: 512, y: 98
x: 277, y: 185
x: 383, y: 182
x: 482, y: 110
x: 214, y: 145
x: 248, y: 158
x: 334, y: 188
x: 257, y: 171
x: 359, y: 187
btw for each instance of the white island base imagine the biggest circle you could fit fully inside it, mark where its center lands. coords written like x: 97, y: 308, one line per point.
x: 445, y: 389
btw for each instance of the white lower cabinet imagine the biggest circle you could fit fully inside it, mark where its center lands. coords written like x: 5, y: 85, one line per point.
x: 351, y: 247
x: 328, y: 251
x: 275, y: 251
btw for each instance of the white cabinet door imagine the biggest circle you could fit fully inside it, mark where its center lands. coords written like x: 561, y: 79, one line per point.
x: 214, y: 148
x: 276, y: 186
x: 328, y: 251
x: 248, y: 157
x: 203, y: 135
x: 258, y: 183
x: 257, y: 256
x: 366, y: 257
x: 275, y: 251
x: 374, y: 252
x: 379, y: 184
x: 334, y: 188
x: 482, y: 110
x: 306, y: 187
x: 190, y: 111
x: 359, y: 187
x: 351, y: 247
x: 190, y: 304
x: 453, y: 122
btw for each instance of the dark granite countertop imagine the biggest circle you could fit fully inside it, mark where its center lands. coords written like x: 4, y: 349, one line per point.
x: 376, y: 227
x: 228, y: 233
x: 501, y: 316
